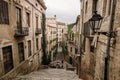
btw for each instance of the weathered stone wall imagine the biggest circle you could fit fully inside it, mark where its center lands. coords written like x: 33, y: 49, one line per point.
x: 52, y: 38
x: 7, y: 38
x: 114, y: 68
x: 93, y: 65
x: 24, y: 68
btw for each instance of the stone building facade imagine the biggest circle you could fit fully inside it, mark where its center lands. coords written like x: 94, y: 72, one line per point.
x: 99, y: 52
x: 73, y: 41
x: 62, y: 31
x: 20, y: 36
x: 52, y: 38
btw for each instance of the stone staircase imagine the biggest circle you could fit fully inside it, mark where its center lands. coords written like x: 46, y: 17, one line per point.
x: 49, y: 74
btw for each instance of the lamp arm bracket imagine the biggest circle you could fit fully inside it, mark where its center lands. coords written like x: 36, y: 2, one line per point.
x: 111, y: 34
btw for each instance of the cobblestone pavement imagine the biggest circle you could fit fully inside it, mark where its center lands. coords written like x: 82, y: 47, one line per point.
x: 50, y: 74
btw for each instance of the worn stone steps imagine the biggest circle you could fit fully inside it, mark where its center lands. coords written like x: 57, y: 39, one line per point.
x: 49, y: 74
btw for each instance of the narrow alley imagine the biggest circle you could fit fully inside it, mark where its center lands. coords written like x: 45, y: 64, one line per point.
x: 59, y: 39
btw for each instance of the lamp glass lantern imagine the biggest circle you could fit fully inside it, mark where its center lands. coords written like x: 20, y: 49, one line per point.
x: 95, y: 22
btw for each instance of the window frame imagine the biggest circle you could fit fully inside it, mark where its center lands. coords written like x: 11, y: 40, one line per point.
x: 28, y: 19
x: 4, y: 12
x: 12, y: 62
x: 37, y: 21
x: 21, y: 54
x: 29, y: 53
x: 17, y: 8
x: 71, y: 49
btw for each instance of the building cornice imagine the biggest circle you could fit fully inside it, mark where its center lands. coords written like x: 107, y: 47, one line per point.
x: 42, y: 3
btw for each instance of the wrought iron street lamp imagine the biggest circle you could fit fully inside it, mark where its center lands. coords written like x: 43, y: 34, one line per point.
x: 95, y: 22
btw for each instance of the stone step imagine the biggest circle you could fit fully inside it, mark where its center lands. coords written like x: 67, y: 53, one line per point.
x: 49, y: 74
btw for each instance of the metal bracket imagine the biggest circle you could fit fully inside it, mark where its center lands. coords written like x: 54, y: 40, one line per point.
x: 111, y: 34
x: 108, y: 34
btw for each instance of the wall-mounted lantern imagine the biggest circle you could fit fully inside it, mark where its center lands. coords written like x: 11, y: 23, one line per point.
x: 95, y: 22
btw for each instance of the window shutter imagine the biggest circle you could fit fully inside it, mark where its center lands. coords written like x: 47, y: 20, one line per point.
x: 4, y: 16
x: 86, y: 29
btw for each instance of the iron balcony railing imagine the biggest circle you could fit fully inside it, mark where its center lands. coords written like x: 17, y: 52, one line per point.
x: 38, y: 31
x: 21, y: 31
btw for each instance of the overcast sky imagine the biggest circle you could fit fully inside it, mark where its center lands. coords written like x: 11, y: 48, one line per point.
x: 65, y: 10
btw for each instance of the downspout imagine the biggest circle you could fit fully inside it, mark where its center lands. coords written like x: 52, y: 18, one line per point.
x: 80, y: 58
x: 106, y: 77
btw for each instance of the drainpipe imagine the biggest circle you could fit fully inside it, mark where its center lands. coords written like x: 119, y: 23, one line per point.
x: 106, y: 75
x: 81, y: 36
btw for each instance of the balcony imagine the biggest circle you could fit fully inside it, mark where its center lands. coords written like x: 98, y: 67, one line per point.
x: 38, y: 31
x: 21, y: 32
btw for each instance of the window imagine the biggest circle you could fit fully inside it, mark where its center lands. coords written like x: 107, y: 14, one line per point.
x: 41, y: 9
x: 18, y: 17
x: 37, y: 47
x: 21, y: 51
x: 4, y: 14
x: 29, y: 48
x: 7, y: 58
x: 36, y: 22
x: 82, y: 49
x: 71, y: 49
x: 86, y: 29
x: 76, y: 50
x: 92, y: 49
x: 28, y: 19
x: 36, y: 4
x: 62, y: 30
x: 86, y: 5
x: 72, y: 36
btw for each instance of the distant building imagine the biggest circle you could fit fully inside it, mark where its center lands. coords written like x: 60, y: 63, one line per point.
x: 62, y: 32
x: 20, y: 36
x: 73, y: 41
x: 51, y: 32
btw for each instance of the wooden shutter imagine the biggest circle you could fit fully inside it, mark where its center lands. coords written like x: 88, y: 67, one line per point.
x: 86, y: 29
x: 21, y: 51
x: 4, y: 14
x: 7, y: 58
